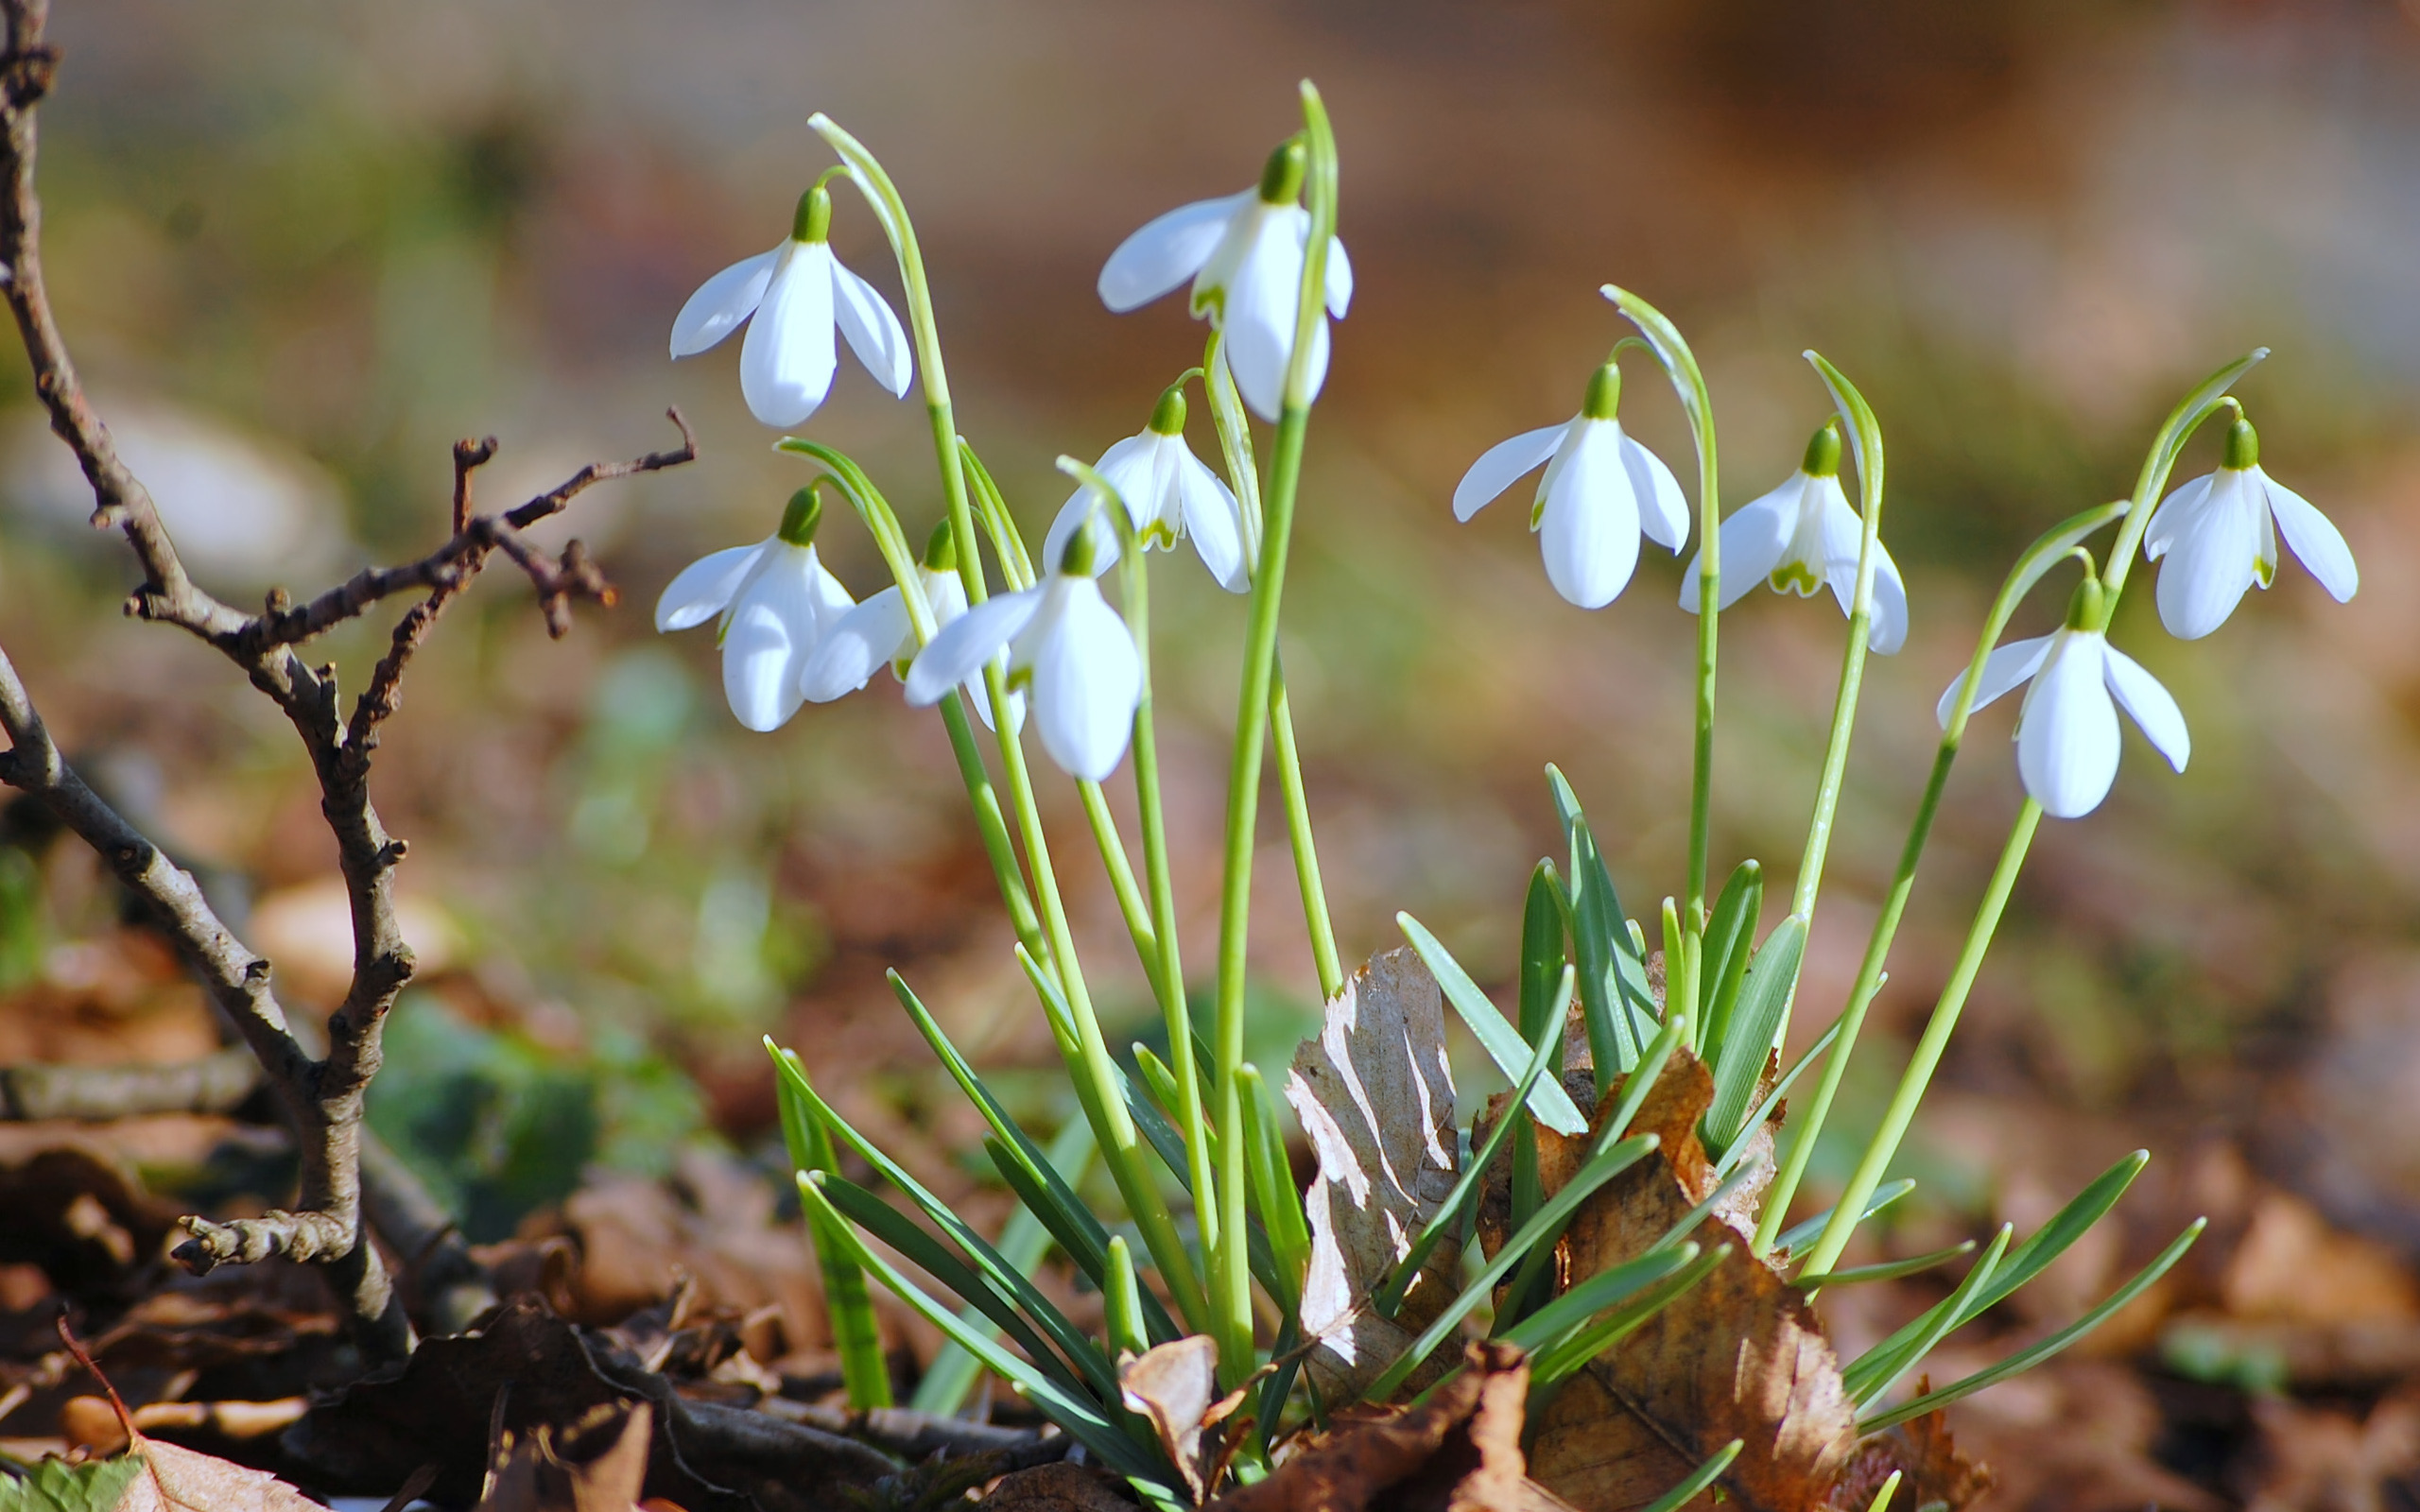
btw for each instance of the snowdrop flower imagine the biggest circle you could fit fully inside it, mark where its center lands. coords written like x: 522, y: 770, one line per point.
x: 1601, y: 490
x: 1067, y: 645
x: 880, y: 630
x: 776, y: 602
x: 1244, y: 254
x: 2219, y: 534
x: 2067, y: 732
x: 1167, y: 492
x: 1801, y: 537
x: 796, y: 292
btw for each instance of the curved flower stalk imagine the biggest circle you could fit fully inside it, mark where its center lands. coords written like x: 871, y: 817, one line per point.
x: 2220, y: 535
x: 1064, y: 639
x: 1804, y: 537
x: 2066, y: 733
x: 796, y: 294
x: 776, y: 604
x: 1245, y: 254
x: 1167, y: 492
x: 882, y: 629
x: 1600, y: 491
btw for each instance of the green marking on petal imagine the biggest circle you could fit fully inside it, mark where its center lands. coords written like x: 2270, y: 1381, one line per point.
x: 1794, y: 577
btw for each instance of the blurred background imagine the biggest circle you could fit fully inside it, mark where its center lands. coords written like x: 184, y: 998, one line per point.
x: 300, y: 248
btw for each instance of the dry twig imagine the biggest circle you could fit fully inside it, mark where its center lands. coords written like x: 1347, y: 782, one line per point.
x: 321, y: 1096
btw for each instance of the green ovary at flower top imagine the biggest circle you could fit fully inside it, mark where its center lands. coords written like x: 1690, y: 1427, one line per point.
x: 796, y: 294
x: 1599, y: 492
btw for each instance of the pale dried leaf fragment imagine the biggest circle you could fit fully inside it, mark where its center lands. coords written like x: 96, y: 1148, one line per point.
x: 595, y: 1464
x: 1740, y: 1355
x: 186, y: 1480
x: 1172, y: 1386
x: 1377, y: 1101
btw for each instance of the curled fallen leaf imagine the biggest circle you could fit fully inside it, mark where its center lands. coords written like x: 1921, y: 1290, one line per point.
x: 1376, y: 1102
x: 1172, y: 1387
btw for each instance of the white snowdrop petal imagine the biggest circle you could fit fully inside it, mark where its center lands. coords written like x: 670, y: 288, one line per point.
x: 958, y: 650
x: 2066, y: 739
x: 1663, y: 509
x: 2317, y: 543
x: 720, y: 303
x: 1131, y: 467
x: 1339, y: 278
x: 1259, y: 313
x: 1889, y: 631
x: 1502, y: 465
x: 2175, y: 515
x: 1589, y: 535
x: 702, y: 589
x: 770, y: 634
x: 855, y: 648
x: 1166, y: 251
x: 1214, y: 522
x: 2006, y: 667
x: 1752, y: 541
x: 1088, y: 680
x: 873, y: 332
x: 2150, y: 706
x: 785, y: 363
x: 2211, y: 562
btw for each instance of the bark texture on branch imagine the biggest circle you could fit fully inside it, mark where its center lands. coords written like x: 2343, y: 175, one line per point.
x: 321, y: 1096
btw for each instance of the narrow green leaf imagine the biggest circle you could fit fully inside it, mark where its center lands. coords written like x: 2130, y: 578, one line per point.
x: 1885, y: 1194
x: 857, y: 1336
x: 1083, y: 1366
x: 1551, y: 1104
x: 1159, y: 1078
x: 1448, y: 1216
x: 1763, y: 998
x: 1704, y: 1476
x: 2026, y: 1359
x: 1939, y: 1329
x: 1594, y: 1295
x: 2026, y: 1262
x: 1276, y: 1197
x: 1764, y: 1108
x: 1122, y: 1302
x: 1009, y: 1279
x: 1614, y: 992
x: 1071, y: 1411
x: 1559, y: 1361
x: 1730, y: 935
x: 1542, y: 955
x: 952, y: 1377
x: 1550, y: 1217
x: 1889, y: 1270
x: 1881, y: 1501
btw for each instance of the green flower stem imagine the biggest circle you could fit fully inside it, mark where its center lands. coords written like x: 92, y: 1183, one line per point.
x: 1234, y: 444
x: 1229, y: 1273
x: 1866, y: 438
x: 1131, y: 906
x: 1680, y: 366
x: 1113, y: 1125
x: 1298, y: 832
x: 1918, y: 1076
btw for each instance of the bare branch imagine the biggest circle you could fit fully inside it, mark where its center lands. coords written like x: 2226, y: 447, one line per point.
x: 215, y: 1084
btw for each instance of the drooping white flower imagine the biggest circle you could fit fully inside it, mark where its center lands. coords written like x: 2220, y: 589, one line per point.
x: 1067, y: 645
x: 880, y: 630
x: 1801, y: 537
x: 1601, y: 490
x: 776, y: 604
x: 2220, y: 535
x: 797, y: 293
x: 1167, y: 492
x: 2067, y: 732
x: 1244, y: 253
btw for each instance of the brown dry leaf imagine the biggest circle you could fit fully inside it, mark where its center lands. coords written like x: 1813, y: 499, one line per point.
x: 598, y: 1464
x: 1458, y: 1451
x: 2293, y: 1264
x: 177, y: 1479
x: 2073, y: 1435
x: 1173, y: 1386
x: 2312, y: 1457
x: 1377, y: 1101
x: 1740, y: 1355
x: 1059, y: 1488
